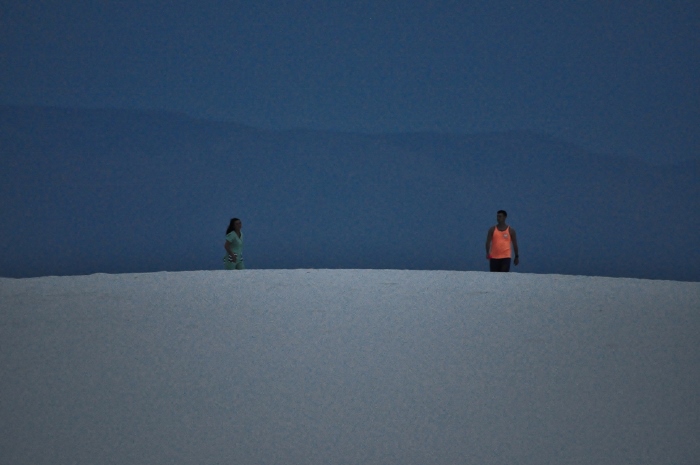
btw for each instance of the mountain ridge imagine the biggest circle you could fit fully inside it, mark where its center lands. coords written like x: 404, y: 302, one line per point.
x: 324, y: 199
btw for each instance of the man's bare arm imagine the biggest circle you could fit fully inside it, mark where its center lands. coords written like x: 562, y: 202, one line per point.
x: 489, y: 237
x: 514, y: 239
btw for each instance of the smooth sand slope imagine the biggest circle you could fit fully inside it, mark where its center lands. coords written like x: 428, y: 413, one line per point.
x: 348, y: 367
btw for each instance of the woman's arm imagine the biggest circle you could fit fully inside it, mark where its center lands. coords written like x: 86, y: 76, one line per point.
x: 231, y: 254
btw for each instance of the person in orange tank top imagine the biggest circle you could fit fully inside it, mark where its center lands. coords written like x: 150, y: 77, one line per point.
x: 501, y: 241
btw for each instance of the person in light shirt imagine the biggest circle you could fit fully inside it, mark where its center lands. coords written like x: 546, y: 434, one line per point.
x: 233, y: 260
x: 501, y: 241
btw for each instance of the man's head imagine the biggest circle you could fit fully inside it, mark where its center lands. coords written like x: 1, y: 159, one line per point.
x: 501, y: 216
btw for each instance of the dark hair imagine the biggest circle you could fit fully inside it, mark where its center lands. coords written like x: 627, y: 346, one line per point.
x: 502, y: 211
x: 230, y: 225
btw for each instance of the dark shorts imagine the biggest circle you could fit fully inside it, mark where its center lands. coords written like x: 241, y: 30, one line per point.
x: 500, y: 264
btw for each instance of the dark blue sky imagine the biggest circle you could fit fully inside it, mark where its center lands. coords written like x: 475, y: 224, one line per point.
x: 613, y: 76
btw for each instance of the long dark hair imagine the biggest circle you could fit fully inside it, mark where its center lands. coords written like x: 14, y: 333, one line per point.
x: 230, y: 225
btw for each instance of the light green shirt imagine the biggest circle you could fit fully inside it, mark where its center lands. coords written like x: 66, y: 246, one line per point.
x: 236, y: 244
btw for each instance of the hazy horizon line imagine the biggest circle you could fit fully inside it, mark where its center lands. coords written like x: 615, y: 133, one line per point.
x: 247, y: 270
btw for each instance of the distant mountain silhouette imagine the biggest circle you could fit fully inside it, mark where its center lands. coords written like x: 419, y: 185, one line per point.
x: 85, y: 191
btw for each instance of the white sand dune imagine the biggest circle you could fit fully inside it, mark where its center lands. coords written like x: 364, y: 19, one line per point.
x: 349, y: 367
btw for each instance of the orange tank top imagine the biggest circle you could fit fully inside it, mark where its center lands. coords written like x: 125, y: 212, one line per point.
x: 500, y: 243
